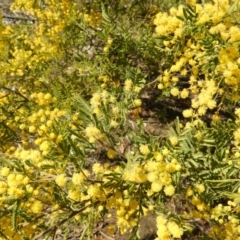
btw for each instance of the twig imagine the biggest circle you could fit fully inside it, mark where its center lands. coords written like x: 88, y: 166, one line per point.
x: 4, y: 15
x: 56, y: 226
x: 16, y: 92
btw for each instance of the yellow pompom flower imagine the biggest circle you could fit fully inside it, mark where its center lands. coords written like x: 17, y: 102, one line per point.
x: 111, y: 229
x: 163, y: 232
x: 93, y: 133
x: 75, y: 195
x: 45, y: 146
x: 137, y: 102
x: 200, y: 188
x: 161, y: 220
x: 19, y: 178
x: 152, y: 176
x: 189, y: 192
x: 128, y: 84
x: 158, y: 156
x: 211, y: 104
x: 111, y: 153
x: 37, y: 207
x: 165, y: 152
x: 237, y: 112
x: 188, y: 113
x: 61, y: 180
x: 175, y: 91
x: 173, y: 140
x: 178, y: 167
x: 144, y: 149
x: 184, y: 93
x: 135, y: 173
x: 77, y: 178
x: 174, y: 229
x: 114, y: 124
x: 202, y: 110
x: 170, y: 168
x: 93, y: 191
x: 195, y: 103
x: 175, y: 79
x: 169, y: 190
x: 32, y: 129
x: 133, y: 204
x: 236, y: 135
x: 97, y: 168
x: 160, y: 86
x: 191, y: 2
x: 156, y: 187
x: 3, y: 187
x: 5, y: 171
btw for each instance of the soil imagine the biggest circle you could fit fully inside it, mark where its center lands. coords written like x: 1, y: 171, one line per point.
x: 5, y: 5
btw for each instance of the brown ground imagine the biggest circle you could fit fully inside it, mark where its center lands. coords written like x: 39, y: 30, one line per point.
x: 4, y: 6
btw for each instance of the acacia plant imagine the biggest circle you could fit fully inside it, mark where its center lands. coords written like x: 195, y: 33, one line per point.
x: 78, y: 85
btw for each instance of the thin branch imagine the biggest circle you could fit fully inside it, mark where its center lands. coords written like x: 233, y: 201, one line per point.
x: 16, y: 92
x: 53, y: 228
x: 8, y: 16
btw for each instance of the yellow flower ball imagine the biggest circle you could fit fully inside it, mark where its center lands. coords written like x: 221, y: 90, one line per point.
x: 174, y: 229
x: 169, y: 190
x: 111, y: 153
x: 45, y: 146
x: 144, y: 149
x: 5, y: 171
x: 32, y: 129
x: 128, y: 84
x: 165, y: 152
x: 189, y: 192
x: 173, y: 140
x: 137, y: 102
x: 3, y: 187
x: 93, y: 133
x: 160, y: 86
x: 184, y: 93
x: 111, y: 229
x: 61, y: 180
x: 152, y: 176
x: 156, y: 187
x: 163, y: 232
x: 93, y: 191
x: 188, y: 113
x: 202, y: 110
x: 211, y: 104
x: 74, y: 194
x: 175, y: 91
x: 200, y: 188
x: 97, y: 168
x: 158, y: 156
x: 37, y: 207
x: 77, y: 178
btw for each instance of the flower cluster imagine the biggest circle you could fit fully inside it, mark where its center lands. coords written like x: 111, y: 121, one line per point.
x: 209, y: 56
x: 167, y: 228
x: 78, y: 87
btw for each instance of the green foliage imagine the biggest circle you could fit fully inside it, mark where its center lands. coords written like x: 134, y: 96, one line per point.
x: 81, y: 89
